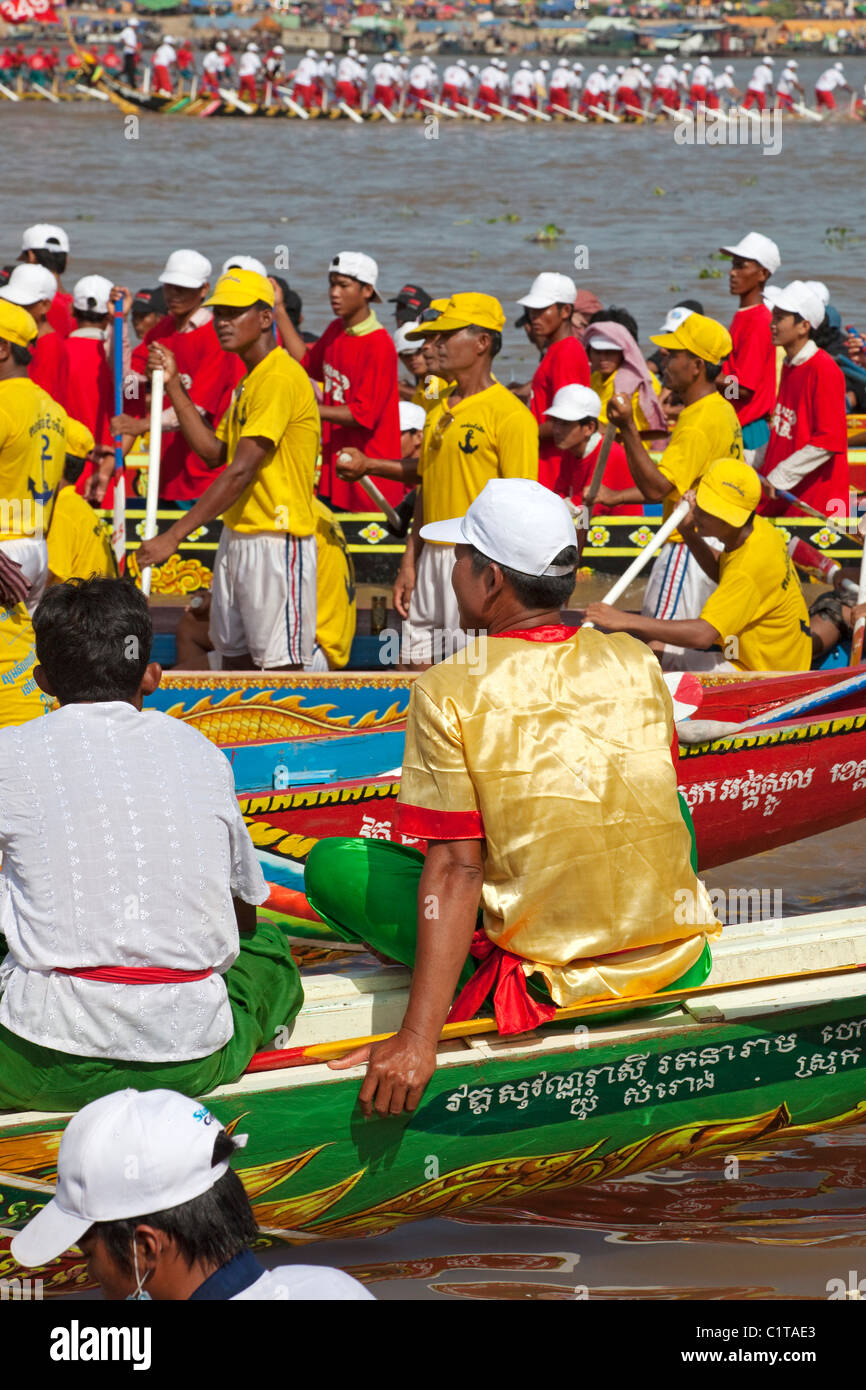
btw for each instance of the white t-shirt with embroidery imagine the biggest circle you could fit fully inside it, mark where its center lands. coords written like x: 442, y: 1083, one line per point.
x: 122, y: 845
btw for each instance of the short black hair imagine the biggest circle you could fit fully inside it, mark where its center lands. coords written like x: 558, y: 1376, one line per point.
x: 613, y: 314
x: 291, y: 300
x: 535, y: 591
x: 212, y: 1228
x: 21, y: 356
x: 89, y: 316
x: 55, y: 261
x: 93, y: 638
x: 494, y: 336
x: 694, y: 304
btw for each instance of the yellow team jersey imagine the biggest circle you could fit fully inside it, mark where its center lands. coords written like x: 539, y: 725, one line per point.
x: 335, y: 588
x: 275, y: 401
x: 20, y: 696
x: 79, y: 542
x: 605, y: 389
x: 32, y: 454
x: 429, y: 391
x: 489, y: 435
x: 705, y: 431
x: 557, y: 756
x: 758, y: 609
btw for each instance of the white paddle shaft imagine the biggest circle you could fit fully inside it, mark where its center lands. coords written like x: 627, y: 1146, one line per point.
x: 640, y: 561
x: 156, y: 390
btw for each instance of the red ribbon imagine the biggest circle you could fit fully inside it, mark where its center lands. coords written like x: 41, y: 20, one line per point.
x: 515, y: 1009
x: 136, y: 974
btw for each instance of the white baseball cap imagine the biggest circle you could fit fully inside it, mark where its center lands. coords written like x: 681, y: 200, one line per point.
x: 42, y: 236
x: 729, y: 68
x: 126, y: 1155
x: 838, y: 66
x: 525, y: 63
x: 755, y: 247
x: 514, y: 521
x: 311, y: 53
x: 252, y: 48
x: 602, y: 67
x: 549, y: 288
x: 412, y: 416
x: 769, y: 62
x: 797, y: 298
x: 673, y: 319
x: 594, y: 337
x: 92, y: 292
x: 186, y: 268
x: 401, y: 342
x: 792, y: 63
x: 358, y: 266
x: 577, y: 67
x: 244, y: 263
x: 461, y: 62
x: 575, y: 403
x: 29, y: 283
x: 544, y: 65
x: 328, y: 53
x: 820, y: 289
x: 278, y: 48
x: 220, y: 47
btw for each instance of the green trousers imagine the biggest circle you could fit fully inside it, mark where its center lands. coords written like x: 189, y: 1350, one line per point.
x: 367, y: 890
x: 264, y: 990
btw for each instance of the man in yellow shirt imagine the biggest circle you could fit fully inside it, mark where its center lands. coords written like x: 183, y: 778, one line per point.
x: 756, y: 620
x: 707, y: 428
x: 539, y: 772
x: 32, y: 452
x: 263, y: 609
x: 79, y: 542
x: 478, y: 431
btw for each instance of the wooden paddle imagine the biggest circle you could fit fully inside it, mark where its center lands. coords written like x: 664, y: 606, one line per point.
x: 157, y: 383
x: 326, y: 1052
x: 860, y: 625
x: 382, y: 503
x: 794, y: 501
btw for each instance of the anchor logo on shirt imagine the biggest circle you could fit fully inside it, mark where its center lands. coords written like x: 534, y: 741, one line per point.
x: 43, y: 497
x: 466, y: 446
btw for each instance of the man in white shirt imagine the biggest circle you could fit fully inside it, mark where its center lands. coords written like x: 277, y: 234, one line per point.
x: 419, y: 84
x: 541, y: 76
x: 702, y: 88
x: 452, y: 78
x: 827, y: 83
x: 306, y: 77
x: 131, y: 50
x: 759, y: 83
x: 129, y: 884
x: 386, y: 79
x: 595, y: 91
x: 787, y: 86
x: 488, y: 87
x: 249, y: 67
x: 349, y: 77
x: 665, y: 90
x: 628, y: 88
x: 145, y: 1189
x: 725, y: 85
x: 211, y: 71
x: 163, y: 58
x: 523, y: 85
x: 562, y: 85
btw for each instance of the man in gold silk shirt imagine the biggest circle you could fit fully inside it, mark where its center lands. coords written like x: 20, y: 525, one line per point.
x: 538, y: 769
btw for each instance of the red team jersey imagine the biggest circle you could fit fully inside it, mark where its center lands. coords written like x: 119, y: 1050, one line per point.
x: 60, y: 314
x: 48, y: 368
x: 810, y: 409
x: 753, y: 362
x: 564, y: 364
x: 358, y: 370
x: 576, y: 474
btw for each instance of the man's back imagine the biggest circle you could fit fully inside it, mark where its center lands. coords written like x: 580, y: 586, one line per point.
x: 122, y: 845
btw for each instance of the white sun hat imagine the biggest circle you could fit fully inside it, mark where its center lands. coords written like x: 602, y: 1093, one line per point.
x: 756, y: 247
x: 28, y: 284
x: 796, y: 298
x: 128, y: 1154
x: 514, y: 521
x: 549, y: 288
x: 186, y: 268
x: 575, y: 402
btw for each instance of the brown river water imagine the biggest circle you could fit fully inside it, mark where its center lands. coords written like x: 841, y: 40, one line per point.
x: 642, y: 215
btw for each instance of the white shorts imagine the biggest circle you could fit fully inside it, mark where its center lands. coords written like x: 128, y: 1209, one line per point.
x: 263, y: 599
x: 678, y: 589
x: 432, y: 630
x: 32, y: 555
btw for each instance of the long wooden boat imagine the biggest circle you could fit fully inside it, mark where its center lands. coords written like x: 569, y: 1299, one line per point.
x: 772, y: 1048
x: 612, y: 544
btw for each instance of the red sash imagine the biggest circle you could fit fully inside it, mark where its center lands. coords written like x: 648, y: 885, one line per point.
x: 136, y: 974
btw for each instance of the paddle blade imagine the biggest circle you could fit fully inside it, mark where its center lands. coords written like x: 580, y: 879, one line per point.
x: 118, y: 528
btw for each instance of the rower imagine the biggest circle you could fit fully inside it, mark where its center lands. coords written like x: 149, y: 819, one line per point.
x: 46, y: 245
x: 125, y: 960
x: 759, y: 83
x: 562, y: 86
x: 702, y: 88
x: 831, y: 79
x: 264, y: 578
x: 425, y: 387
x: 306, y: 80
x: 787, y: 85
x: 726, y: 88
x: 575, y: 415
x: 386, y: 79
x: 541, y: 77
x: 211, y: 71
x: 349, y: 74
x: 523, y: 85
x: 146, y: 1191
x: 807, y: 452
x: 707, y: 428
x: 664, y: 89
x: 163, y: 58
x: 748, y: 375
x: 357, y: 362
x: 274, y: 60
x: 488, y: 87
x: 419, y: 89
x: 628, y: 91
x: 756, y: 619
x: 596, y: 90
x: 33, y: 287
x: 533, y: 762
x: 477, y: 430
x: 131, y: 50
x: 452, y: 82
x: 549, y: 304
x: 78, y: 541
x: 249, y: 68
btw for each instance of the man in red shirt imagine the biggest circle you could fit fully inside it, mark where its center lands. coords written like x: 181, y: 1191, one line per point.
x: 807, y: 453
x: 573, y: 415
x: 89, y: 383
x: 33, y: 288
x: 356, y: 361
x: 44, y: 244
x: 748, y: 375
x: 549, y: 305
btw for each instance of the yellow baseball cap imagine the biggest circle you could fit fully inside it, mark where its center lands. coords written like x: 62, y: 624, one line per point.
x: 240, y: 288
x: 730, y: 490
x: 461, y: 310
x: 79, y: 440
x: 703, y: 336
x: 16, y: 325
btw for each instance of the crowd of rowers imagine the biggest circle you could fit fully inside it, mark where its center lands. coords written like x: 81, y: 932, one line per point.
x: 396, y: 81
x: 134, y: 957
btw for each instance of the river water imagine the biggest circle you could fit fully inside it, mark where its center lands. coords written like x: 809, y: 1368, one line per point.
x: 642, y: 216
